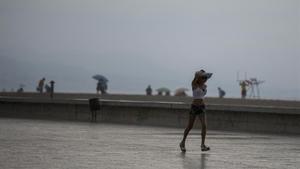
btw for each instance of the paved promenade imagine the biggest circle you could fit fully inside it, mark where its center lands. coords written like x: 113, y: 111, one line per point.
x: 37, y: 144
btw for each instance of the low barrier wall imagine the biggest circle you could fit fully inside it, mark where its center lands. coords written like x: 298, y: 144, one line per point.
x: 172, y: 114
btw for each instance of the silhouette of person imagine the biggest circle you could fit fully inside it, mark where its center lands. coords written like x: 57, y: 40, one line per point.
x: 101, y: 87
x: 51, y: 88
x: 197, y: 108
x: 98, y: 87
x: 40, y: 86
x: 243, y: 85
x: 149, y: 90
x: 222, y: 93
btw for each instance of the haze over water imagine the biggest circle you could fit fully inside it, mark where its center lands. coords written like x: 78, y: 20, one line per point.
x: 158, y: 42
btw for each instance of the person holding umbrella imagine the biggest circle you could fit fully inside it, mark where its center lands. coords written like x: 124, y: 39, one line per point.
x: 102, y: 83
x: 101, y: 87
x: 197, y: 108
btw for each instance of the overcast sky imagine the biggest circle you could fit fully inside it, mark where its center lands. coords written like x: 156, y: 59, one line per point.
x: 158, y: 42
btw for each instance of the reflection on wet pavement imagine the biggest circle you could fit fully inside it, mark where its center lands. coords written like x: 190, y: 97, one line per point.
x: 48, y: 144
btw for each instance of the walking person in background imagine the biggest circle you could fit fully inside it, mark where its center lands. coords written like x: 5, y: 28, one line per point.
x: 40, y: 86
x: 197, y: 108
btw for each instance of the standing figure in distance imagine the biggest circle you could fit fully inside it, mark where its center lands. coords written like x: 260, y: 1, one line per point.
x: 149, y: 90
x: 222, y: 93
x: 40, y: 86
x: 51, y: 88
x: 101, y: 87
x: 243, y: 85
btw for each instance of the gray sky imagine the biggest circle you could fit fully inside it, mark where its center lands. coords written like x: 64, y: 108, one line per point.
x: 159, y: 42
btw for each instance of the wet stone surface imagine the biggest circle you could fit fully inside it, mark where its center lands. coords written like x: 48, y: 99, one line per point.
x: 37, y: 144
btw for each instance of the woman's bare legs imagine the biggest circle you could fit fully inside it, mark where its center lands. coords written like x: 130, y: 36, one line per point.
x: 187, y: 130
x: 203, y: 132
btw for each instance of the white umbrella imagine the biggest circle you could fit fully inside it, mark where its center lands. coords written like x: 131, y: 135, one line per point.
x: 181, y: 91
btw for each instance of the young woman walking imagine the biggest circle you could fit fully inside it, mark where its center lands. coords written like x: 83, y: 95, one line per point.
x: 197, y: 108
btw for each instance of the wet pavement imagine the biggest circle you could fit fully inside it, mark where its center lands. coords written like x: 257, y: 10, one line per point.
x: 38, y: 144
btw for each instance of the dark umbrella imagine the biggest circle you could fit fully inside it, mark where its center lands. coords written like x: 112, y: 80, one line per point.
x: 100, y: 78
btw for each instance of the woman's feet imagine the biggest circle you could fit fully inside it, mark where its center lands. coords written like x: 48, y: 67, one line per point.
x: 204, y: 148
x: 182, y: 147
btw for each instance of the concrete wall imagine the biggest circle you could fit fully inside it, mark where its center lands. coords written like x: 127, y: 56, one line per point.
x: 172, y: 114
x: 208, y: 100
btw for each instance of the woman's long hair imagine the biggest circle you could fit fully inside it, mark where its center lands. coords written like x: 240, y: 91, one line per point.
x: 195, y: 82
